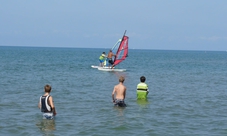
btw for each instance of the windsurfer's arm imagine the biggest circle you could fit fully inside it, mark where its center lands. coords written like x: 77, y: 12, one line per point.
x: 113, y: 54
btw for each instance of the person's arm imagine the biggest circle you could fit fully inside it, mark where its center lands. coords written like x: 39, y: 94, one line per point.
x: 125, y: 93
x: 52, y: 105
x: 147, y: 89
x: 113, y: 94
x: 39, y: 105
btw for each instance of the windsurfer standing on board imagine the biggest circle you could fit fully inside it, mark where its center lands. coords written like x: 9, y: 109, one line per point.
x: 102, y: 58
x: 109, y: 57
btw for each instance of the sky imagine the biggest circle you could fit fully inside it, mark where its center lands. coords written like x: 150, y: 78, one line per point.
x: 150, y: 24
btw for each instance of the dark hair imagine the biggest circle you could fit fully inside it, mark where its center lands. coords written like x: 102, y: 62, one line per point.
x: 103, y: 53
x: 142, y: 79
x: 47, y: 88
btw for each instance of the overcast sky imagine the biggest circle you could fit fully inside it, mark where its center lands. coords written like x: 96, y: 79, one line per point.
x: 150, y: 24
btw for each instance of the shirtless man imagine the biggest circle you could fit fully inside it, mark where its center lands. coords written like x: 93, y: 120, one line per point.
x: 109, y: 57
x: 120, y: 91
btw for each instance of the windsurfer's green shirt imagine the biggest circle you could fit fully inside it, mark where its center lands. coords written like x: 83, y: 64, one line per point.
x: 102, y: 57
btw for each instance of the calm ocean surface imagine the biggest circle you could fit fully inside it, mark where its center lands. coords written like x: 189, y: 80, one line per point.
x: 188, y: 93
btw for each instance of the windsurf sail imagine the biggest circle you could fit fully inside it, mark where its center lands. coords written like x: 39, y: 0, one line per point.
x: 122, y: 50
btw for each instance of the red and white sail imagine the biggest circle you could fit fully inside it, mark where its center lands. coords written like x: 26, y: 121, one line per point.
x: 122, y: 51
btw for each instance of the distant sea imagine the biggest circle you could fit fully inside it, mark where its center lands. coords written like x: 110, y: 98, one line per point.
x: 188, y: 93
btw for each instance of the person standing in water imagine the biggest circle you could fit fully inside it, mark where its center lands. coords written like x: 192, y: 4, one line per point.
x: 119, y: 92
x: 46, y: 104
x: 142, y: 88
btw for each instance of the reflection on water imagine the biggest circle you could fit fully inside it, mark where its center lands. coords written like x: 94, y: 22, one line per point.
x: 120, y: 110
x: 46, y: 125
x: 120, y: 118
x: 142, y: 102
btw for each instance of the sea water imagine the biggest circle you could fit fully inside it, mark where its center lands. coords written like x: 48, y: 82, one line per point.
x: 188, y: 93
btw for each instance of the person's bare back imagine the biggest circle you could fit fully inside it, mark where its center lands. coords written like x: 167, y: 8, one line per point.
x: 110, y: 54
x: 119, y: 90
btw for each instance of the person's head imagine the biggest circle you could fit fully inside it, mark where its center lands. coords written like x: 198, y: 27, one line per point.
x: 121, y: 79
x: 142, y: 79
x: 47, y: 88
x: 110, y: 50
x: 103, y: 53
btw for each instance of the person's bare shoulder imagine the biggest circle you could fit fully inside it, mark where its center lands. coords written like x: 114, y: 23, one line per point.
x: 50, y: 98
x: 125, y: 87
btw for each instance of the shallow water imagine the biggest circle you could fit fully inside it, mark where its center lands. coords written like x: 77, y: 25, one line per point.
x: 187, y: 93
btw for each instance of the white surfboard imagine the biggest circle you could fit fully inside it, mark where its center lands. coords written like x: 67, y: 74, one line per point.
x: 121, y: 49
x: 109, y: 69
x: 93, y: 66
